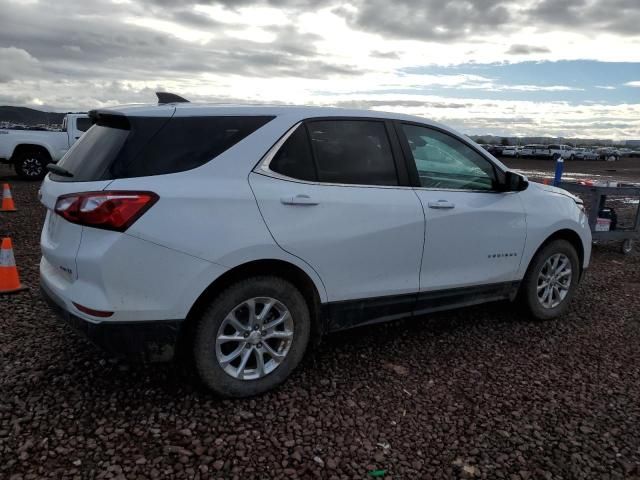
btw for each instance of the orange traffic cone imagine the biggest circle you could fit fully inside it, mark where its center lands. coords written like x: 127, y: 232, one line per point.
x: 9, y: 280
x: 7, y: 200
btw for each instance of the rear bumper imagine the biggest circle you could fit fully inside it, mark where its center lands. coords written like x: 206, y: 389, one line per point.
x: 151, y: 341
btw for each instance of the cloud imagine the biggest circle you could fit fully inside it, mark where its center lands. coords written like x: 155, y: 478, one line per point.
x: 106, y: 46
x: 17, y: 63
x: 520, y: 49
x: 633, y: 84
x: 536, y: 88
x: 389, y: 55
x: 430, y: 19
x: 358, y: 53
x: 619, y: 17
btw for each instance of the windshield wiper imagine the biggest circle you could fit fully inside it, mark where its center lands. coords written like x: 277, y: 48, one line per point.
x: 58, y: 170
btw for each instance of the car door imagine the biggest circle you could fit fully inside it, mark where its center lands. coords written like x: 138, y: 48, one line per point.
x: 331, y: 194
x: 474, y: 234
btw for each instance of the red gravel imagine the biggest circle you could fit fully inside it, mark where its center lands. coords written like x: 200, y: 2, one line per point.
x: 480, y: 392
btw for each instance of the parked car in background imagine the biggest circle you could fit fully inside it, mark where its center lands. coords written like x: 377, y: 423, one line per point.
x: 511, y: 151
x: 556, y: 151
x: 608, y: 154
x: 532, y: 150
x: 585, y: 154
x: 625, y: 152
x: 31, y: 150
x: 242, y: 233
x: 495, y: 150
x: 548, y: 152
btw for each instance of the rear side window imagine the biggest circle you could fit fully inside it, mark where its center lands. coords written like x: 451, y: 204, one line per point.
x: 352, y: 152
x: 83, y: 124
x: 125, y: 147
x: 294, y: 159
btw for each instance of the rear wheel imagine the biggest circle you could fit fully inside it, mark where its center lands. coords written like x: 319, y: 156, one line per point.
x: 551, y: 280
x: 251, y: 337
x: 31, y: 164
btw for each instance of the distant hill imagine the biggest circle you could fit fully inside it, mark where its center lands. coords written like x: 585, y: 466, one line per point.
x: 29, y: 116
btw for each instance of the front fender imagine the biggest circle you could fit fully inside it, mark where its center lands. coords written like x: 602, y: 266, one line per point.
x: 548, y: 213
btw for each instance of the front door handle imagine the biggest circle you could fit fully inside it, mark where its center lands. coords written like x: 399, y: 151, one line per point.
x: 299, y: 200
x: 441, y: 204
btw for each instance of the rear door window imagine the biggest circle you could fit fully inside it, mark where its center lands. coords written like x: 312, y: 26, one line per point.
x: 295, y: 159
x: 83, y: 124
x: 125, y: 147
x: 352, y: 152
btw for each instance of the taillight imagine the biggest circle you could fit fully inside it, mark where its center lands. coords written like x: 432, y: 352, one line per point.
x: 109, y: 210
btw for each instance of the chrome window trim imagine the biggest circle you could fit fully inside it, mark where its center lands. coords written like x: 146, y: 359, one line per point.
x: 263, y: 169
x: 268, y: 157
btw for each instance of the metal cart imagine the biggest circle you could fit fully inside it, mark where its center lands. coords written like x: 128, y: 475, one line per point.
x: 594, y: 198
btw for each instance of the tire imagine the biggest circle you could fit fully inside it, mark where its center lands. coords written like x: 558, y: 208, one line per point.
x: 214, y: 321
x: 529, y: 288
x: 31, y: 164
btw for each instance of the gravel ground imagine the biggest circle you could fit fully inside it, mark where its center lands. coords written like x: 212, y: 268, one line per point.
x: 476, y: 393
x: 624, y: 170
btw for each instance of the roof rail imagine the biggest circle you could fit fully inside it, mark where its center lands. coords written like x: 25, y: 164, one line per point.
x: 166, y: 97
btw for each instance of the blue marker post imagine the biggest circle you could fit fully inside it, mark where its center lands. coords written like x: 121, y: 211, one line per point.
x: 559, y: 168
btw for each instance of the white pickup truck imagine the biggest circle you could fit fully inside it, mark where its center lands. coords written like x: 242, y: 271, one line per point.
x: 31, y: 150
x: 553, y: 151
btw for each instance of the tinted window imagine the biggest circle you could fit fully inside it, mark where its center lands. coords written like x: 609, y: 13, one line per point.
x: 443, y: 161
x: 294, y: 159
x: 185, y: 143
x: 89, y: 157
x: 122, y: 147
x: 83, y: 124
x: 352, y: 152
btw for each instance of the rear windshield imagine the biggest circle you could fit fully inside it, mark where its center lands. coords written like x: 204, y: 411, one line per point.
x: 125, y: 147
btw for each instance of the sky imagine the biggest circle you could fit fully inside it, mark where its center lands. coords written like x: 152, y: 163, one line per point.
x: 505, y: 67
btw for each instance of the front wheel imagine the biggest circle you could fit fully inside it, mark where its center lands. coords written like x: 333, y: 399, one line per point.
x: 551, y: 280
x: 251, y: 338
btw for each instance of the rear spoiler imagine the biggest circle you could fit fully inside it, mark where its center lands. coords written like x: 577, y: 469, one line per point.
x: 109, y: 119
x: 115, y: 120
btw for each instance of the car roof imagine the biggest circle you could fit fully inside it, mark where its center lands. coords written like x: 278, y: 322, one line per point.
x: 293, y: 111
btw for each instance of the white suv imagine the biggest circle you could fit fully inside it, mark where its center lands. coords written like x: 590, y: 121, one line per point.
x: 241, y: 233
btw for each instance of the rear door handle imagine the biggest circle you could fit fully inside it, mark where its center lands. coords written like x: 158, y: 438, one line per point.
x: 441, y: 204
x: 299, y: 200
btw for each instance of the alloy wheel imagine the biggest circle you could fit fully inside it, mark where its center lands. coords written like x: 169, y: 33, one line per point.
x: 554, y: 280
x: 254, y: 338
x: 32, y: 167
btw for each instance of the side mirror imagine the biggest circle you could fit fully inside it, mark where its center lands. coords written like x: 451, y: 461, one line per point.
x: 514, y: 182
